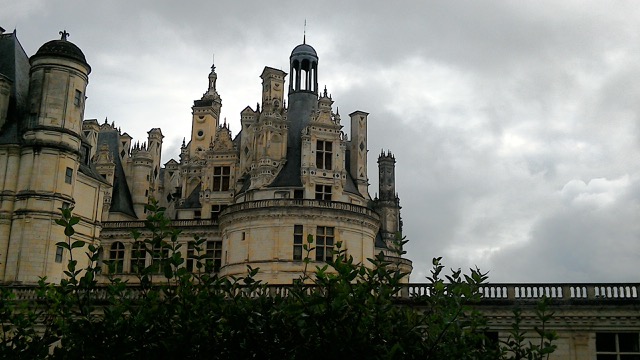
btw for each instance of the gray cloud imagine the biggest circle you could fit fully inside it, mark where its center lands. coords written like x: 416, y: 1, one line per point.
x: 514, y: 125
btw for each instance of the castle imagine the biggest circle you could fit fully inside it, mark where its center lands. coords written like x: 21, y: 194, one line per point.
x: 290, y: 172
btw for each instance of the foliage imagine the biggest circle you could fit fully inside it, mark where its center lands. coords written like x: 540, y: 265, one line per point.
x: 340, y: 310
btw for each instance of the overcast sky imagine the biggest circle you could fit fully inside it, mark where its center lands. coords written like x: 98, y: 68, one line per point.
x: 515, y: 124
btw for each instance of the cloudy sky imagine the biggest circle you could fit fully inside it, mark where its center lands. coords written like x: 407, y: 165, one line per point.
x: 515, y: 124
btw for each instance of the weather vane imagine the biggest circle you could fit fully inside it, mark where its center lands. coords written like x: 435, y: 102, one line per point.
x: 63, y: 35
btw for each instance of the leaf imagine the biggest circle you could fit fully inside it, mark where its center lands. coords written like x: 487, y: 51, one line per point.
x: 77, y: 244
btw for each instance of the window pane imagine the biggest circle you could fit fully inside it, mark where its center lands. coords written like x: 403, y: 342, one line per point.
x: 629, y: 357
x: 605, y: 342
x: 628, y: 342
x: 606, y: 357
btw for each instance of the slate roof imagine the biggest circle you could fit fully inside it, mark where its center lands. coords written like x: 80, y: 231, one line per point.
x: 121, y: 196
x: 193, y: 200
x: 14, y: 65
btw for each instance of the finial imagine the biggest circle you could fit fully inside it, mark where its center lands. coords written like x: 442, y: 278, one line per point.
x: 325, y: 91
x: 183, y: 144
x: 338, y: 110
x: 304, y: 32
x: 213, y: 63
x: 105, y: 119
x: 225, y: 121
x: 63, y: 35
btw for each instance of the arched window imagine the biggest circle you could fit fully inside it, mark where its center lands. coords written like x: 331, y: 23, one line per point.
x: 116, y: 257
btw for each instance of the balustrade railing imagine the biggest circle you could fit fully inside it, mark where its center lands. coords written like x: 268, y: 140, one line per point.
x: 140, y: 223
x: 559, y: 292
x: 267, y: 203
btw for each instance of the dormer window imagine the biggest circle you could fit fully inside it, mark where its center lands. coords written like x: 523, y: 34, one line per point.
x: 324, y: 154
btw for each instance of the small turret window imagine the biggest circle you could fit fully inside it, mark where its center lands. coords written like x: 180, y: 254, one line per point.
x: 77, y: 100
x: 59, y: 252
x: 68, y: 175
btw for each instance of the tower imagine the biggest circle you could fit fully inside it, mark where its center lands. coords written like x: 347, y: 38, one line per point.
x: 206, y: 116
x: 388, y: 204
x: 50, y: 161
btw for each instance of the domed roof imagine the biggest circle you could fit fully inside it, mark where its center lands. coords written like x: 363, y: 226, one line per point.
x: 304, y: 50
x: 62, y: 48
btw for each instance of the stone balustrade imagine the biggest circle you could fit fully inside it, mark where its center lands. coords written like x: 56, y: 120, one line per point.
x: 303, y: 203
x: 114, y: 225
x: 602, y: 293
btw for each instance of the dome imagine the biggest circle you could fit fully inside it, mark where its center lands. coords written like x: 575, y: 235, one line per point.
x: 304, y: 50
x: 62, y: 48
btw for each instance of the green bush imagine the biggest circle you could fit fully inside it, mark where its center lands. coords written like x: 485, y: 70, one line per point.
x: 341, y: 310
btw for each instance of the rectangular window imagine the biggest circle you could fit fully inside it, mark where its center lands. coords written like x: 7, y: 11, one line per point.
x: 297, y: 242
x: 159, y: 254
x: 191, y: 256
x: 324, y: 243
x: 59, y: 252
x: 138, y: 255
x: 216, y: 210
x: 221, y: 178
x: 77, y: 99
x: 197, y: 214
x: 116, y: 256
x: 323, y: 192
x: 324, y: 154
x: 68, y: 175
x: 214, y: 254
x: 617, y: 346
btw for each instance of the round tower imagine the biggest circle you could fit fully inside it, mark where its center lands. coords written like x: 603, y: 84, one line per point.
x: 50, y: 156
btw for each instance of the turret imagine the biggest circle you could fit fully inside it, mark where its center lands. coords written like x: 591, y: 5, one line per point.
x: 155, y: 150
x: 358, y: 151
x: 50, y: 158
x: 142, y: 165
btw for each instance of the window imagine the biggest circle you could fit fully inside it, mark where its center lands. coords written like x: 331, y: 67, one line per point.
x: 297, y: 242
x: 77, y: 99
x: 116, y: 256
x: 324, y: 154
x: 197, y: 214
x: 159, y: 253
x: 191, y: 256
x: 68, y: 175
x: 323, y: 192
x: 324, y: 243
x: 221, y: 177
x: 216, y: 210
x: 138, y: 255
x: 214, y: 254
x: 59, y: 252
x: 617, y: 346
